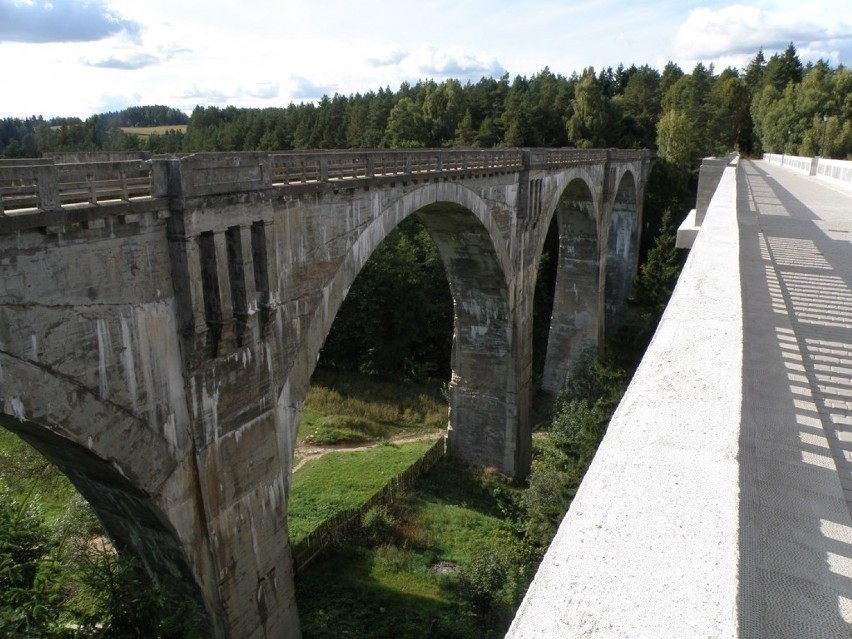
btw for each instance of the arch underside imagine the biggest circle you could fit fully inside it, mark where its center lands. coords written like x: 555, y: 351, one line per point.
x: 133, y: 520
x: 117, y: 464
x: 575, y: 321
x: 622, y: 250
x: 481, y: 430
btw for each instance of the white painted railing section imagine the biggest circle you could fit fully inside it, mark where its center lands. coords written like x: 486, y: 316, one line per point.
x: 837, y: 172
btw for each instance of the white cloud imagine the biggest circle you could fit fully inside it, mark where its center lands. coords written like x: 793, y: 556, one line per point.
x: 736, y: 32
x: 260, y: 53
x: 388, y: 58
x: 109, y: 103
x: 456, y: 63
x: 131, y: 61
x: 305, y: 89
x: 40, y: 21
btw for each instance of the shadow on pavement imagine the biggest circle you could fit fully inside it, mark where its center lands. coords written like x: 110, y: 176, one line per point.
x: 796, y: 435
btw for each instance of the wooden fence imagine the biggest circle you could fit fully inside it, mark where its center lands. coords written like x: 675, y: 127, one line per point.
x: 344, y: 525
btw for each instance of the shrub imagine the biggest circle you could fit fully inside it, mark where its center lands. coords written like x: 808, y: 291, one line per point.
x: 578, y: 426
x: 493, y: 581
x: 29, y: 585
x: 481, y: 580
x: 592, y: 378
x: 378, y: 524
x: 126, y: 604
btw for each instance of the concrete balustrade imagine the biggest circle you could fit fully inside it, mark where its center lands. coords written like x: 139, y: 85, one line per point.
x: 838, y: 172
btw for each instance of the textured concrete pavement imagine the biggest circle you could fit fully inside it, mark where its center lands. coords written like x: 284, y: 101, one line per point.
x: 796, y: 438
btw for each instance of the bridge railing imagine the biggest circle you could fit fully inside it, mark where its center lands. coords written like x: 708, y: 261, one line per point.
x: 40, y: 185
x: 556, y: 158
x: 33, y: 185
x: 838, y: 172
x: 330, y: 166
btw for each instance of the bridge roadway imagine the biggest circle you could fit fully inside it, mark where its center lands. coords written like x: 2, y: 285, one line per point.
x: 719, y: 502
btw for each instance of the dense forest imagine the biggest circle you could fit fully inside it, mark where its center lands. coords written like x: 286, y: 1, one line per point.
x: 777, y: 105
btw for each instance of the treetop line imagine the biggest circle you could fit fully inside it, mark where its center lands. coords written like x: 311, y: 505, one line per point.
x: 777, y: 105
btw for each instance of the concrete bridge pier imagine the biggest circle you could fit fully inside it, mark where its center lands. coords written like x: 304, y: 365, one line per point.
x: 483, y: 394
x: 599, y: 232
x: 576, y: 318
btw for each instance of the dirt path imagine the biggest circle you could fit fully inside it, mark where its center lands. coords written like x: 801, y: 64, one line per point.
x: 306, y: 452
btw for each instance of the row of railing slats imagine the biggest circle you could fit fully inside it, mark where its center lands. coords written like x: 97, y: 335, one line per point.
x: 44, y: 186
x: 38, y: 184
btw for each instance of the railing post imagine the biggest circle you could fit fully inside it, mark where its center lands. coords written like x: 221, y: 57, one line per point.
x: 323, y: 169
x: 371, y: 165
x: 90, y: 183
x: 47, y: 188
x: 159, y: 177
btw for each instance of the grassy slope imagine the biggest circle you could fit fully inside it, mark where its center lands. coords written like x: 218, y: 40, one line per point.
x: 144, y: 131
x: 341, y: 480
x: 391, y: 590
x: 352, y: 408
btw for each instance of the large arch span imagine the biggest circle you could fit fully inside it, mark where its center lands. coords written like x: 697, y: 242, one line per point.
x: 158, y: 346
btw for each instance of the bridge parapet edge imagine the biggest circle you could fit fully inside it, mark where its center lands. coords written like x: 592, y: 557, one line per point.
x: 837, y: 172
x: 32, y: 186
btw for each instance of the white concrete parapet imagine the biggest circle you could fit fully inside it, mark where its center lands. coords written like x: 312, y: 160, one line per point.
x: 837, y: 172
x: 803, y: 165
x: 687, y: 231
x: 649, y: 548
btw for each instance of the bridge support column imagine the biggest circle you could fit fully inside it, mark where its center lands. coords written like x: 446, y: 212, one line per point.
x: 622, y: 254
x: 243, y: 476
x: 485, y: 421
x: 575, y: 321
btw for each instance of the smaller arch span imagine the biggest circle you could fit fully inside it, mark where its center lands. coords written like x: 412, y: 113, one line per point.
x: 133, y: 519
x: 477, y: 263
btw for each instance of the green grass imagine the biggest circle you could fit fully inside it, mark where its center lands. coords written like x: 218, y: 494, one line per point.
x: 24, y: 469
x: 390, y: 589
x: 341, y: 480
x: 350, y: 408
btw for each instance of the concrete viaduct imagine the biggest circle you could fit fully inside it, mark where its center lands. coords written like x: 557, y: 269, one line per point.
x: 160, y: 320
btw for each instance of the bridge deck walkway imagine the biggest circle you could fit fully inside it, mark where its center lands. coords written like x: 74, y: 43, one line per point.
x: 796, y: 435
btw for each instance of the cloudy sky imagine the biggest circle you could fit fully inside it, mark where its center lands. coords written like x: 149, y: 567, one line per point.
x: 79, y: 57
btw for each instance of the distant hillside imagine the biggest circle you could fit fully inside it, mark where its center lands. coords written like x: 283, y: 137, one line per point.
x: 145, y: 116
x: 154, y: 130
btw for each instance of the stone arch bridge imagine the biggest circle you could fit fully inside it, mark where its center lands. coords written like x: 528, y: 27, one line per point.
x: 160, y: 321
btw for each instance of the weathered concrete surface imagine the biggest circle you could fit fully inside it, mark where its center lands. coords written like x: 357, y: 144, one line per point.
x: 718, y: 502
x: 160, y: 349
